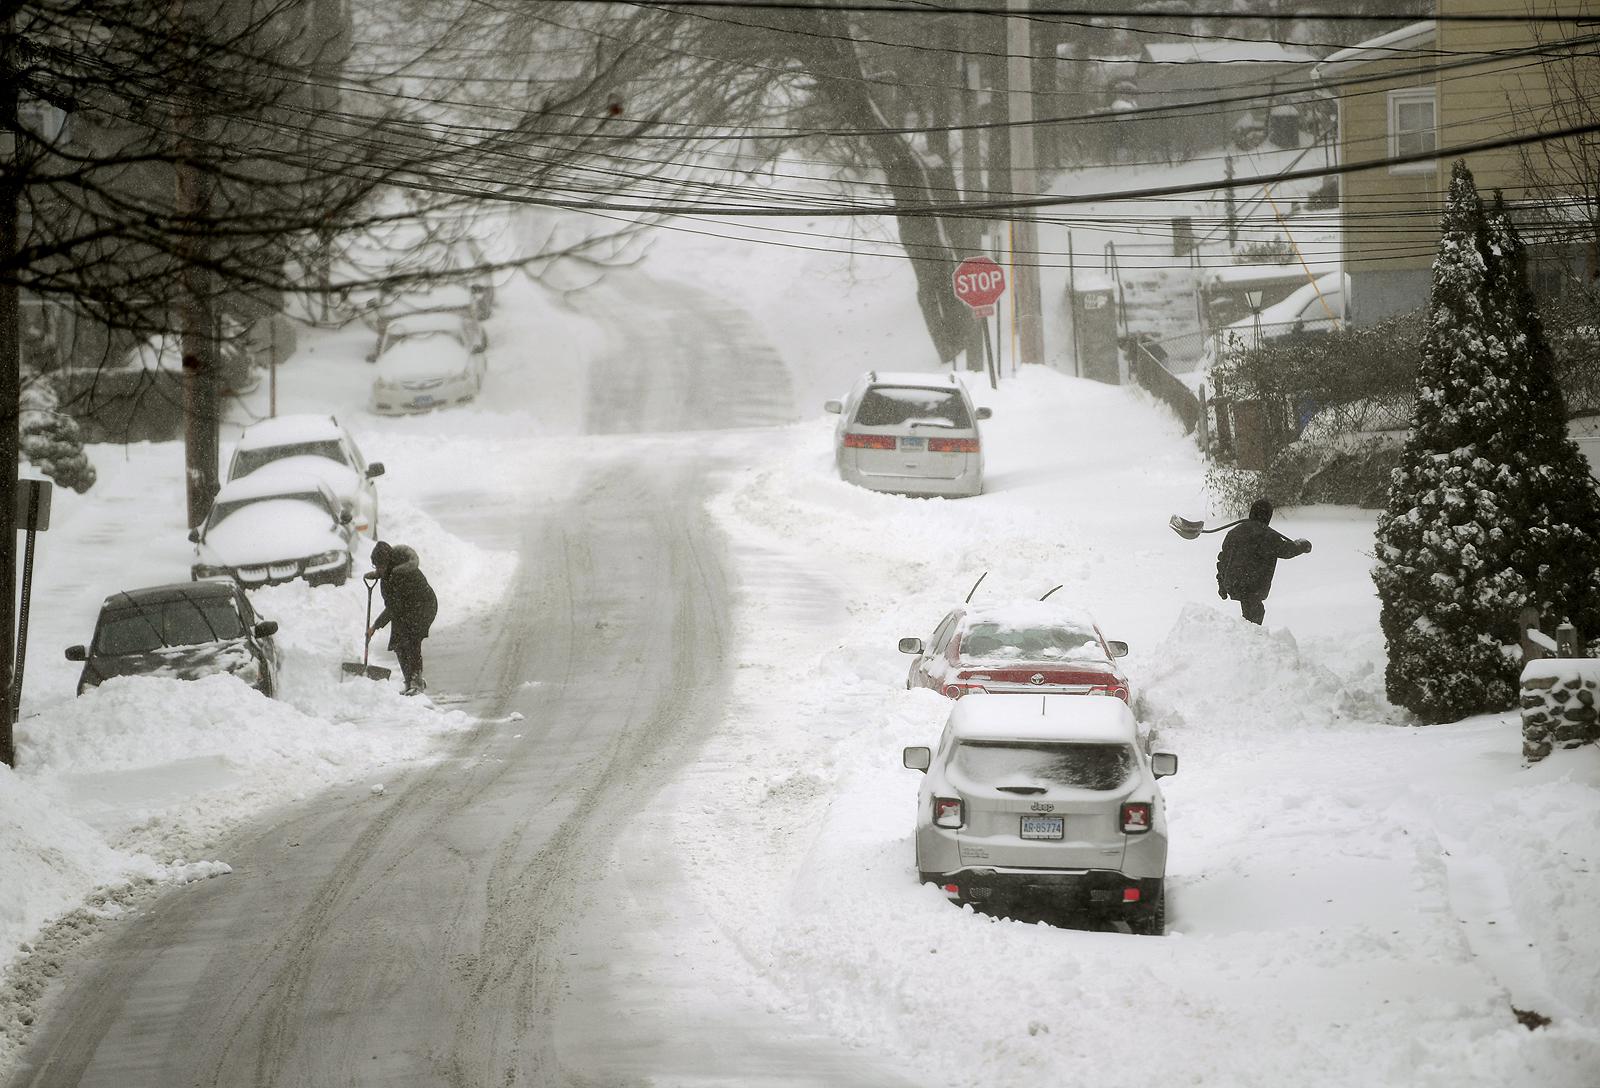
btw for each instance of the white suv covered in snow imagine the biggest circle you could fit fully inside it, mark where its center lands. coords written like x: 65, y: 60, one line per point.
x: 1045, y: 797
x: 914, y: 434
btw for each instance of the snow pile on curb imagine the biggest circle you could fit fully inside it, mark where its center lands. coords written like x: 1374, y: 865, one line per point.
x: 1220, y: 680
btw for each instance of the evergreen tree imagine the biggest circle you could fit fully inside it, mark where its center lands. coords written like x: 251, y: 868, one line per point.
x: 1490, y: 508
x: 51, y: 441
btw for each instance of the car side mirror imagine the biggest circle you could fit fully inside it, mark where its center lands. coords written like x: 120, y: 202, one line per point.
x: 265, y: 629
x: 345, y: 517
x: 194, y: 535
x: 374, y: 470
x: 984, y: 413
x: 77, y: 653
x: 832, y: 407
x: 911, y: 645
x: 1162, y: 764
x: 1117, y: 648
x: 917, y: 759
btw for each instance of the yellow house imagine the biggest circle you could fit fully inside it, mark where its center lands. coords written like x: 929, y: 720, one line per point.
x: 1434, y: 86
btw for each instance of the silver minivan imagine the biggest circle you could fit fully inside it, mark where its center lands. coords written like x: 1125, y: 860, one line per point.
x: 910, y: 433
x: 1045, y: 798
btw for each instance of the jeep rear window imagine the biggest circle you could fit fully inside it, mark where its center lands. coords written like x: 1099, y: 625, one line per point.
x: 1027, y: 763
x: 899, y: 405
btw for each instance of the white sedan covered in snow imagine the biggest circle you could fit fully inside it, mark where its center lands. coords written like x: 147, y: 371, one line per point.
x: 427, y: 361
x: 318, y: 446
x: 274, y: 526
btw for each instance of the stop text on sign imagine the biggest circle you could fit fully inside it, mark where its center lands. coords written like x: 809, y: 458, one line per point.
x: 978, y: 282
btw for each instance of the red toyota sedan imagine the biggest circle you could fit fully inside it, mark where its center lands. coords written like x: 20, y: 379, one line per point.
x: 1029, y: 646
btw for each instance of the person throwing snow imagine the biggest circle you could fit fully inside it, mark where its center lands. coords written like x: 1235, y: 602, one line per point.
x: 409, y: 605
x: 1249, y: 558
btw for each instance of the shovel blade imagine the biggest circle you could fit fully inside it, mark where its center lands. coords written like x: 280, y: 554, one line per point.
x: 1185, y: 528
x: 371, y: 672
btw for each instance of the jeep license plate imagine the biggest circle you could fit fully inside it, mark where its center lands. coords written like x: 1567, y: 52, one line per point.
x: 1043, y: 827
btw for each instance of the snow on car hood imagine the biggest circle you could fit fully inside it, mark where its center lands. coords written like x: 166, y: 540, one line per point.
x: 179, y: 662
x: 270, y: 531
x: 415, y: 359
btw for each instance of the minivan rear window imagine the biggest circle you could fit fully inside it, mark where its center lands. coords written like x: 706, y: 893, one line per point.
x: 1025, y: 763
x: 901, y: 405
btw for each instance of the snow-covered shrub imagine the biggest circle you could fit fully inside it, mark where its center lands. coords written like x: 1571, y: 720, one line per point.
x: 51, y: 441
x: 1491, y: 507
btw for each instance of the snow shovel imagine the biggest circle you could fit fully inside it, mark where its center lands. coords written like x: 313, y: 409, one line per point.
x: 361, y: 668
x: 1191, y: 529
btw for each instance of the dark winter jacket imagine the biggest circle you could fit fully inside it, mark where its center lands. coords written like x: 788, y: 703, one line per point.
x: 408, y: 600
x: 1249, y: 558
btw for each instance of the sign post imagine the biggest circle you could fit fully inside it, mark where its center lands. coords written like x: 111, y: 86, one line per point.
x: 33, y: 516
x: 979, y: 282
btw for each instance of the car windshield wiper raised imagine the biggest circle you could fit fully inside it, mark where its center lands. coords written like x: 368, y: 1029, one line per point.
x: 932, y: 423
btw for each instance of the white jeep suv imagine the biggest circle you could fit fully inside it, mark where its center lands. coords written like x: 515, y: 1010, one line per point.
x: 1045, y: 797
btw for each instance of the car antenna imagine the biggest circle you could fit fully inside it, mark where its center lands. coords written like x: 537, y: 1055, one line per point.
x: 1052, y: 591
x: 975, y: 586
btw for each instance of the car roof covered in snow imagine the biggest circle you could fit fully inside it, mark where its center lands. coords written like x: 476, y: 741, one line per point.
x: 288, y: 430
x: 1051, y: 613
x: 171, y: 591
x: 1091, y: 719
x: 917, y: 379
x: 270, y: 480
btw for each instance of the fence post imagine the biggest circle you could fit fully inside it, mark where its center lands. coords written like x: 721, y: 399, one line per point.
x: 1528, y: 620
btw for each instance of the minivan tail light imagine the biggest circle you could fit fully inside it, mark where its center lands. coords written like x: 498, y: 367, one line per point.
x: 953, y: 445
x: 870, y: 441
x: 947, y: 812
x: 1135, y: 817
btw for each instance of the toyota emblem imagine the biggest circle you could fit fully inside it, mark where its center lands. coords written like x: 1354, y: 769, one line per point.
x: 1036, y: 678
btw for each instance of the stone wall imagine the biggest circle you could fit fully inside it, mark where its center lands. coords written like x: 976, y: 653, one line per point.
x: 1558, y: 705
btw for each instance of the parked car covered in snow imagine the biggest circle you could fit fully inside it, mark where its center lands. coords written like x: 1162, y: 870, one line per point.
x: 428, y: 360
x: 316, y: 445
x: 275, y: 526
x: 913, y: 434
x: 1045, y: 799
x: 1031, y: 646
x: 184, y: 631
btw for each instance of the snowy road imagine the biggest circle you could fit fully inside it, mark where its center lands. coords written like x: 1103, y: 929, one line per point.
x: 500, y: 917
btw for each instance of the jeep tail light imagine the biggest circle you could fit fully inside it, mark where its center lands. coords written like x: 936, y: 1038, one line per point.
x: 870, y: 441
x: 952, y: 445
x: 1136, y: 817
x: 947, y: 812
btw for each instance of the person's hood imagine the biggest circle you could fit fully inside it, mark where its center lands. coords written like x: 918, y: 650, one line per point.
x: 404, y: 559
x: 180, y: 662
x: 270, y: 531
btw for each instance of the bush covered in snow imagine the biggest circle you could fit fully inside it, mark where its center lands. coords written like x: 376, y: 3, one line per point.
x: 1491, y: 508
x: 51, y: 441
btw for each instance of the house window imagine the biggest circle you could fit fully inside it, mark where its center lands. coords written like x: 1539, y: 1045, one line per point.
x: 1413, y: 127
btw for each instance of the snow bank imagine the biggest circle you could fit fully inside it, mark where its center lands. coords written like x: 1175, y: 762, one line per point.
x: 1218, y: 681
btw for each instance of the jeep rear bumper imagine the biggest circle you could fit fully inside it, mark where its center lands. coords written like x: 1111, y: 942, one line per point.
x: 1088, y: 889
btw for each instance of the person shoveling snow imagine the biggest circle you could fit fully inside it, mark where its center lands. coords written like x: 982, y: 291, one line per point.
x: 409, y: 603
x: 1249, y: 558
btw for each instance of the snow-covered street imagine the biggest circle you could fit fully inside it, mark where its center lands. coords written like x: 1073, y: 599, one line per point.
x: 654, y: 827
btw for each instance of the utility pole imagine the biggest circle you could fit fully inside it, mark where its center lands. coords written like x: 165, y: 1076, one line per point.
x: 196, y: 318
x: 1024, y: 181
x: 10, y: 384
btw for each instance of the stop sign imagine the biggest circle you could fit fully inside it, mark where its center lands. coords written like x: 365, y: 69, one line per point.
x: 978, y: 282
